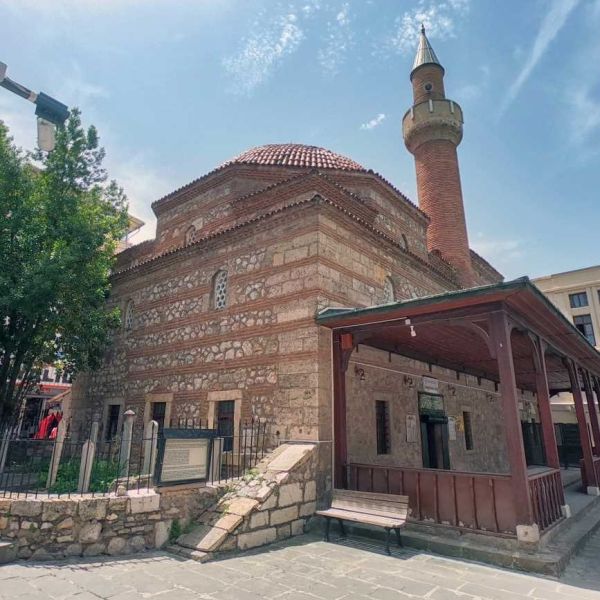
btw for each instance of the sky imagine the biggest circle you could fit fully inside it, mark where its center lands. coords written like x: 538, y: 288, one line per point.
x: 176, y: 87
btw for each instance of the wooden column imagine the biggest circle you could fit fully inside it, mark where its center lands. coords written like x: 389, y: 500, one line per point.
x: 596, y: 387
x: 543, y: 398
x: 509, y: 399
x: 342, y: 349
x: 589, y: 398
x: 586, y: 445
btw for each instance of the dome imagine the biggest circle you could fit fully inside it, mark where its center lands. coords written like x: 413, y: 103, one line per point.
x: 295, y: 155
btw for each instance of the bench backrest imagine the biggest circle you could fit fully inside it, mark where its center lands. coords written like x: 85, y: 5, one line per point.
x: 370, y: 503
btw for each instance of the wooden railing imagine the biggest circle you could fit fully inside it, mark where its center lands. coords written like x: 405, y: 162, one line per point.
x: 477, y: 501
x: 547, y: 495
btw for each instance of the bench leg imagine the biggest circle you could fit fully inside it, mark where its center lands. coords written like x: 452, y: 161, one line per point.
x: 398, y: 537
x: 388, y: 532
x: 327, y: 524
x: 342, y: 528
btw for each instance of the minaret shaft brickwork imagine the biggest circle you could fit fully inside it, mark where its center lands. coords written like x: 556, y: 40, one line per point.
x: 432, y: 130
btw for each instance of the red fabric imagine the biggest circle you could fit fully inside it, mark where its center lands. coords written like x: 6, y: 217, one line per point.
x: 46, y: 427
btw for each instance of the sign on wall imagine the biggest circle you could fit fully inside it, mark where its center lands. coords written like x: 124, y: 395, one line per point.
x: 411, y: 429
x: 431, y: 404
x: 184, y: 456
x: 431, y: 385
x: 452, y: 429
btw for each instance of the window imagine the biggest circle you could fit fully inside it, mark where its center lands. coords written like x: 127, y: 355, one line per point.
x: 159, y: 412
x: 468, y: 430
x: 220, y: 290
x: 112, y: 421
x: 190, y: 235
x: 578, y: 300
x: 404, y: 242
x: 46, y: 375
x: 129, y: 315
x: 382, y: 424
x: 584, y: 324
x: 388, y: 291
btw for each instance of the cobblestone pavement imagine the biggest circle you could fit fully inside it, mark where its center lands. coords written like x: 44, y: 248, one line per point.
x: 303, y: 569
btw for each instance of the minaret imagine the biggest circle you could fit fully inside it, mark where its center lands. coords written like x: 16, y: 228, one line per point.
x: 432, y: 130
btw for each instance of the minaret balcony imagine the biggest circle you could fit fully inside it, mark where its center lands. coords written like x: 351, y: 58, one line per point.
x: 432, y: 120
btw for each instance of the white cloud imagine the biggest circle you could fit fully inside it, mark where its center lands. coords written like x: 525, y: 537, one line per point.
x: 503, y: 253
x: 374, y: 122
x: 263, y: 51
x: 551, y: 25
x: 143, y: 186
x: 339, y: 39
x: 472, y: 91
x: 439, y: 18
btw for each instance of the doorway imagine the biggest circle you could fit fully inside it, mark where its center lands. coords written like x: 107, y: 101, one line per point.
x: 225, y: 422
x: 434, y: 442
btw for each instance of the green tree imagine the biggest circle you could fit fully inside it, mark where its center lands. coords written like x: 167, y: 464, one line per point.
x: 59, y: 226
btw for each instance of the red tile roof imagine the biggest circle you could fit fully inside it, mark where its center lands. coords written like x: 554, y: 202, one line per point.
x: 296, y: 155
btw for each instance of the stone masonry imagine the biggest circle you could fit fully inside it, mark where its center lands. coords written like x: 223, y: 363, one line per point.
x: 272, y: 502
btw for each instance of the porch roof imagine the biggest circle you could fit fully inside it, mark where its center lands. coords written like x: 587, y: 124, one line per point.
x: 441, y: 337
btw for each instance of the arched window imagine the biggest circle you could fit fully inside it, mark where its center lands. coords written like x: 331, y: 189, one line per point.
x: 220, y: 290
x: 190, y: 235
x: 129, y: 315
x: 389, y: 294
x: 404, y: 242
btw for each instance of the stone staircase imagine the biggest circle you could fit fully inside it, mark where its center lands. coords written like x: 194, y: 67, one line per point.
x: 272, y: 502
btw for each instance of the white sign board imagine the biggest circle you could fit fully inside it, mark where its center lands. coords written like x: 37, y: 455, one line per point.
x: 411, y: 429
x: 430, y: 385
x: 452, y: 429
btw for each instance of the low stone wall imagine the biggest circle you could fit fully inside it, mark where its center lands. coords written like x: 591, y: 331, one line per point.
x: 46, y: 528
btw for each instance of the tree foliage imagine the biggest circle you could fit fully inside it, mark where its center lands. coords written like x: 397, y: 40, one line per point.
x: 59, y: 226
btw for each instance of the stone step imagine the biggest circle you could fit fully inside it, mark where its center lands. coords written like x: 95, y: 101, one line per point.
x: 8, y: 551
x: 204, y: 538
x: 196, y: 555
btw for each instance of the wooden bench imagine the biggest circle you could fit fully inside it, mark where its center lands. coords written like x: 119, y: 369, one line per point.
x: 389, y: 511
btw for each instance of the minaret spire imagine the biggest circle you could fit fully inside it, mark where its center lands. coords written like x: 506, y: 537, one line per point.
x: 425, y: 53
x: 432, y: 130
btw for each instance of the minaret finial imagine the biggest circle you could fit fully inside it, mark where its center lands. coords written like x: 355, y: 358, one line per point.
x: 425, y: 54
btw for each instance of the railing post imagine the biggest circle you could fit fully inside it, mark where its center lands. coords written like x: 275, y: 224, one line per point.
x: 125, y: 450
x: 88, y: 452
x: 150, y: 443
x: 216, y: 459
x: 56, y: 453
x: 8, y: 432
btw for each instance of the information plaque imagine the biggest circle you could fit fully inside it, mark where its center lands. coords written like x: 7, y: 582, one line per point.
x: 184, y: 456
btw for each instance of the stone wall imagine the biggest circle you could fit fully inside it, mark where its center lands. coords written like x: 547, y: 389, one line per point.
x: 398, y: 380
x: 49, y: 528
x: 272, y: 502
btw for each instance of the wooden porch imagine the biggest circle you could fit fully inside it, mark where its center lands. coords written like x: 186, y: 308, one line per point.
x: 509, y: 334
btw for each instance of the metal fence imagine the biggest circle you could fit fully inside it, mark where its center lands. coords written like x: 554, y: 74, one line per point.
x: 83, y: 463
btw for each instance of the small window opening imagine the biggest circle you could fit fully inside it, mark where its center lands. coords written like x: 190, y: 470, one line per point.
x: 468, y: 430
x: 382, y: 423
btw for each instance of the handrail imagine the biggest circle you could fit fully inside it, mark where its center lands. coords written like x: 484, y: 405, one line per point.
x: 447, y: 472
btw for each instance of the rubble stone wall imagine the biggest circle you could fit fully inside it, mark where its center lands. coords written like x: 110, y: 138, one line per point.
x: 49, y: 528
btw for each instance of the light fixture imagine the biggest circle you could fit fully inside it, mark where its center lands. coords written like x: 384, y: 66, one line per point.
x: 408, y: 380
x: 360, y: 373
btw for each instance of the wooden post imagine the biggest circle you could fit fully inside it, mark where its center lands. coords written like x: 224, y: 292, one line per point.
x: 500, y: 331
x: 586, y: 445
x: 150, y: 443
x: 543, y: 398
x: 56, y: 453
x: 88, y: 453
x: 126, y: 439
x: 342, y: 348
x: 589, y: 398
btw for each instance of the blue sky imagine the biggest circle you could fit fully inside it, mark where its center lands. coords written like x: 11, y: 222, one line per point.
x: 177, y: 87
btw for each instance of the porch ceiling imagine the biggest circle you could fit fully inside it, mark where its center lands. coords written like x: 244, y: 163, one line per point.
x: 451, y: 331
